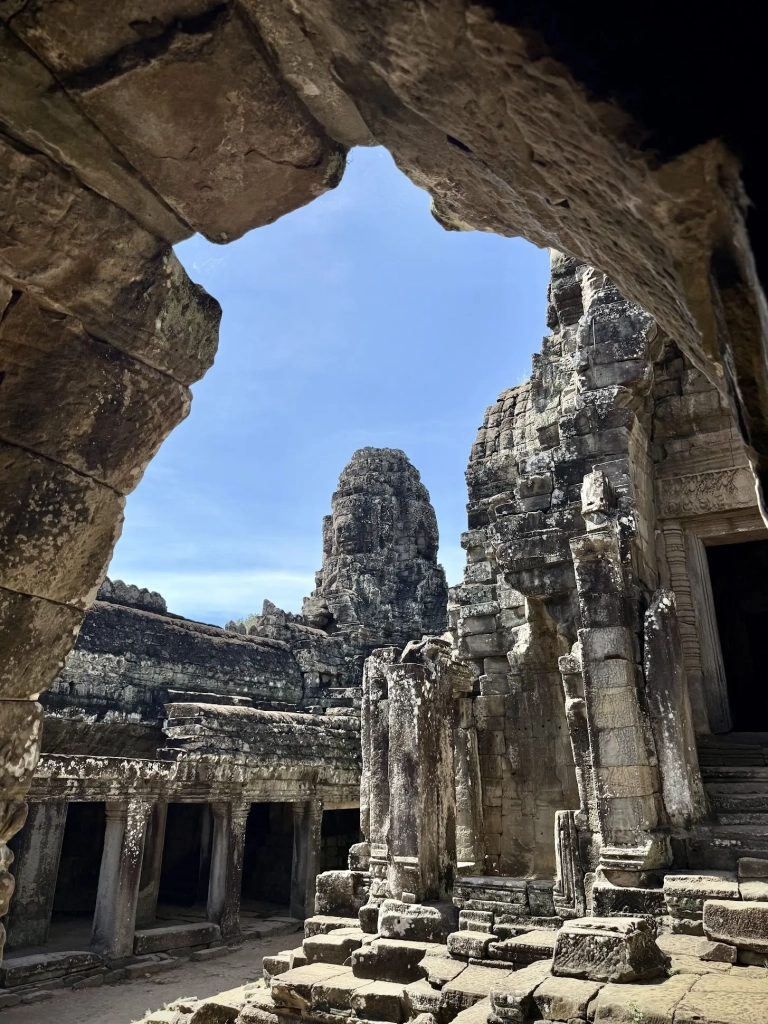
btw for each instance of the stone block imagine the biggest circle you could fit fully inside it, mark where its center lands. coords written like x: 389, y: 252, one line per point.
x: 223, y: 1008
x: 440, y: 970
x: 277, y: 156
x: 35, y: 637
x: 294, y: 988
x: 388, y: 960
x: 475, y: 921
x: 527, y: 948
x: 608, y: 949
x: 511, y: 997
x: 477, y: 1014
x: 752, y: 867
x: 321, y: 924
x: 334, y: 993
x: 26, y: 970
x: 685, y: 893
x: 91, y: 260
x: 422, y: 997
x: 756, y: 889
x: 472, y: 985
x: 652, y: 1003
x: 738, y: 923
x: 721, y: 999
x: 565, y: 998
x: 110, y: 419
x: 609, y: 900
x: 341, y: 893
x: 58, y: 528
x: 716, y: 952
x: 334, y: 947
x: 161, y: 940
x: 379, y: 1000
x: 540, y: 899
x: 465, y: 944
x: 422, y: 922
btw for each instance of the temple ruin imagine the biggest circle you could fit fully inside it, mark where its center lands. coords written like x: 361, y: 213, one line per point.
x: 597, y: 698
x: 188, y: 769
x: 562, y: 801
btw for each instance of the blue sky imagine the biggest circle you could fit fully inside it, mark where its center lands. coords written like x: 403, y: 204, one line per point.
x: 354, y: 321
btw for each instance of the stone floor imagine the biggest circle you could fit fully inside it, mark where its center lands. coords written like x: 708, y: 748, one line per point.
x: 129, y: 1000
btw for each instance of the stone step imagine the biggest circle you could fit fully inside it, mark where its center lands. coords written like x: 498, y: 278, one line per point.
x: 321, y: 924
x: 334, y: 947
x: 157, y: 940
x: 736, y: 800
x: 524, y: 949
x: 734, y: 773
x: 744, y: 818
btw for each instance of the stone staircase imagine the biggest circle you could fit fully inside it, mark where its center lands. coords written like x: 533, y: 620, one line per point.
x: 734, y: 768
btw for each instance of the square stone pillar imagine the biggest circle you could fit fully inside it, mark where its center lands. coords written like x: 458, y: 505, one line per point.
x: 226, y: 879
x: 149, y: 886
x: 36, y: 867
x: 307, y: 827
x: 114, y: 921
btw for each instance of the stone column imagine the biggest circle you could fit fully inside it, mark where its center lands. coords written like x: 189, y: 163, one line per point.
x: 226, y: 878
x: 20, y: 733
x: 114, y: 921
x: 666, y: 689
x: 149, y: 886
x: 307, y: 826
x: 35, y: 871
x: 374, y: 792
x: 422, y: 789
x: 470, y: 849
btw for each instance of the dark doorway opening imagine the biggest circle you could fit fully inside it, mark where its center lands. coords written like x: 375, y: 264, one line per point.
x: 739, y: 576
x: 267, y: 857
x: 340, y: 830
x: 77, y: 881
x: 186, y: 862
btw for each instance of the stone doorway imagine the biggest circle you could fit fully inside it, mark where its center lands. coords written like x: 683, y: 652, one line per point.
x: 77, y: 881
x: 739, y: 578
x: 340, y: 830
x: 186, y: 860
x: 267, y: 858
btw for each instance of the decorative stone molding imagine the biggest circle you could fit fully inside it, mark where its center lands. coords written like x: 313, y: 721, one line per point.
x: 699, y: 493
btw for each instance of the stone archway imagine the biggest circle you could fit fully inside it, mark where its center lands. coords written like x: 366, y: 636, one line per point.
x: 123, y: 131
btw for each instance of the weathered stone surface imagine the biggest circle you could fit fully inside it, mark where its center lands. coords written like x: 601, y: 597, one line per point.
x: 35, y: 637
x: 421, y: 922
x: 46, y: 118
x: 752, y: 867
x: 651, y: 1003
x: 333, y: 948
x: 152, y: 940
x: 87, y: 258
x: 380, y: 542
x: 608, y: 949
x: 23, y: 970
x: 537, y: 944
x: 389, y: 960
x: 379, y: 1000
x: 341, y: 892
x: 512, y: 997
x: 334, y: 994
x: 466, y: 944
x: 84, y: 426
x: 685, y: 894
x: 733, y: 999
x: 57, y: 528
x: 740, y: 924
x: 565, y: 998
x: 472, y: 985
x: 222, y: 1008
x: 222, y: 178
x: 321, y: 924
x: 294, y: 988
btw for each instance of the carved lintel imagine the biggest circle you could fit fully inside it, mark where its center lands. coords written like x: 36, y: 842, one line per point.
x: 713, y: 491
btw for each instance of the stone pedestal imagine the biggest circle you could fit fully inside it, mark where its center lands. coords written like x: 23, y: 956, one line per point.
x: 38, y: 848
x: 307, y: 826
x: 149, y: 886
x: 470, y: 852
x: 114, y: 921
x: 226, y: 878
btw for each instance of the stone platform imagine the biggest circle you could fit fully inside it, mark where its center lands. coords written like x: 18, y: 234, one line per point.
x: 340, y: 973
